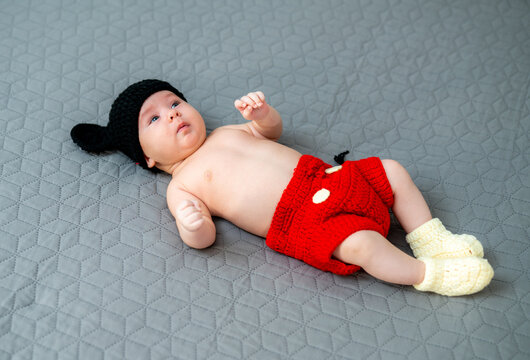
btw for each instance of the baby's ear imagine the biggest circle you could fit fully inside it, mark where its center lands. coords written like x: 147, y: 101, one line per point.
x: 91, y: 138
x: 150, y: 162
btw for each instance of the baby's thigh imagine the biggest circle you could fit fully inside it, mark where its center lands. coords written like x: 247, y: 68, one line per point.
x: 396, y: 174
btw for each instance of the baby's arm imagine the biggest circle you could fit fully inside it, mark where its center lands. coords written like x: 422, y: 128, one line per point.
x: 193, y: 218
x: 265, y: 120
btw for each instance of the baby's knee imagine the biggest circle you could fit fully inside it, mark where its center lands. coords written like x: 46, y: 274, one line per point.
x: 356, y: 248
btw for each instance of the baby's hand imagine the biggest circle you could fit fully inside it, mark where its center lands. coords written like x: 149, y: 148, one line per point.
x: 190, y: 216
x: 252, y: 106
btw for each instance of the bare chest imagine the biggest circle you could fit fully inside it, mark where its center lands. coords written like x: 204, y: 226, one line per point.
x: 241, y: 178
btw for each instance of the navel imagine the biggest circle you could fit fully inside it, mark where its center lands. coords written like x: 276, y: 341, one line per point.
x: 208, y: 176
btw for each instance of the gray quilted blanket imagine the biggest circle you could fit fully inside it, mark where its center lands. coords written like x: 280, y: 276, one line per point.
x: 91, y: 264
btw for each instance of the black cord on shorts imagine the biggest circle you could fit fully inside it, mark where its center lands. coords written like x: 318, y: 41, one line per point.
x: 339, y: 159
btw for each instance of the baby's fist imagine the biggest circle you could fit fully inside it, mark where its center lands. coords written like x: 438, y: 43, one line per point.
x: 252, y: 106
x: 189, y: 215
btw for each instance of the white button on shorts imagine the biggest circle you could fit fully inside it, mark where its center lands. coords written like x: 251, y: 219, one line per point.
x: 321, y: 196
x: 331, y: 170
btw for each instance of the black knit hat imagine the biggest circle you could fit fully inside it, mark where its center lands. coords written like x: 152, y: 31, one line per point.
x: 121, y: 133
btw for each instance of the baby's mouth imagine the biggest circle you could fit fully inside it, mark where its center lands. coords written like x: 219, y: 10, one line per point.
x: 182, y: 126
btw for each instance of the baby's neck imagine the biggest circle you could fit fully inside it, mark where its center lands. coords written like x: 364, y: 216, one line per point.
x: 174, y: 168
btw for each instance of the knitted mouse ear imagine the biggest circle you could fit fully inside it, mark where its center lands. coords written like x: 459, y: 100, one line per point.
x: 92, y: 138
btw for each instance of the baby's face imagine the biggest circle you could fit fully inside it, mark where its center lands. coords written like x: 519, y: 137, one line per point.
x: 169, y: 128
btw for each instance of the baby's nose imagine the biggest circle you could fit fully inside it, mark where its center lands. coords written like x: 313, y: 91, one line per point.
x: 173, y: 114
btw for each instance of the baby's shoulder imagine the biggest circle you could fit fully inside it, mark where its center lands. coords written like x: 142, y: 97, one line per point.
x: 175, y: 185
x: 243, y: 132
x: 233, y: 129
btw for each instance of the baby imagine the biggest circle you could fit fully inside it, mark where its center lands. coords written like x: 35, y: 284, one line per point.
x: 333, y: 218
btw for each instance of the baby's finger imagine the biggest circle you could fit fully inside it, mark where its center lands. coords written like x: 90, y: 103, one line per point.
x: 193, y: 217
x: 255, y: 98
x: 249, y: 101
x: 261, y: 96
x: 195, y: 225
x: 187, y: 212
x: 184, y: 204
x: 197, y: 205
x: 240, y: 105
x: 246, y: 113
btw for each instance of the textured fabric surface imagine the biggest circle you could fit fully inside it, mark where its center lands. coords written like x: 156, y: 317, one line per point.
x: 319, y: 210
x: 91, y: 265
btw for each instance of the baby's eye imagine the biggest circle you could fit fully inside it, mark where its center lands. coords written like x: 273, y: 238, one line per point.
x: 154, y: 118
x: 174, y: 105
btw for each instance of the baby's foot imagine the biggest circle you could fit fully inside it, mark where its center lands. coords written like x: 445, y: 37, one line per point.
x: 455, y: 277
x: 432, y: 239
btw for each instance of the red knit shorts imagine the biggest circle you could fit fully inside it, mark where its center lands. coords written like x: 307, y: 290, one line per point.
x: 309, y: 222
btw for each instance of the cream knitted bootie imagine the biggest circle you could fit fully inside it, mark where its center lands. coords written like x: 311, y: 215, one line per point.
x: 455, y: 277
x: 432, y: 239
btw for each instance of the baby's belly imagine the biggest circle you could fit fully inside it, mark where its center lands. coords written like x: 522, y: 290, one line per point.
x: 249, y: 198
x: 255, y: 219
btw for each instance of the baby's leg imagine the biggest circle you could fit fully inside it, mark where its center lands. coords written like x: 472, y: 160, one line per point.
x: 426, y: 236
x: 410, y: 207
x: 378, y: 257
